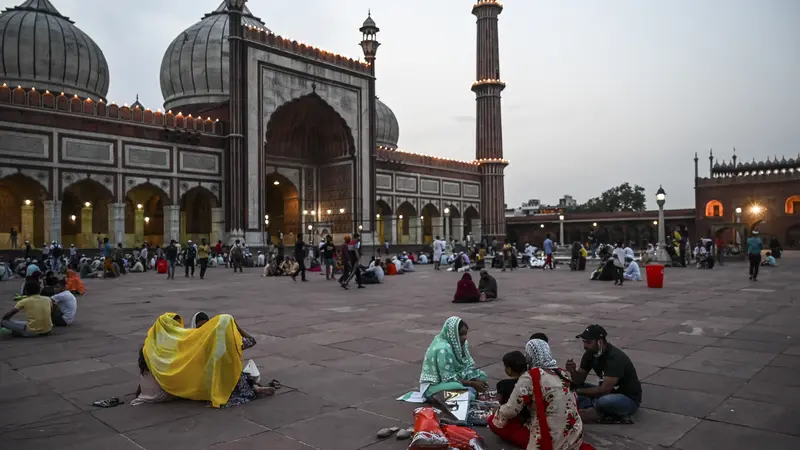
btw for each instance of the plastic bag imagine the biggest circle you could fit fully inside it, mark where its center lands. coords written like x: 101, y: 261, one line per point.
x: 251, y: 370
x: 463, y: 438
x: 428, y: 434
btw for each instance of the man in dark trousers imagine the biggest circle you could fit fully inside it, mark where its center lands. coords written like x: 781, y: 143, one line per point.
x: 189, y: 256
x: 171, y: 254
x: 299, y: 255
x: 352, y: 256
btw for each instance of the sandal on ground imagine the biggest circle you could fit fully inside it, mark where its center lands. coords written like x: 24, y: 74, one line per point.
x: 384, y: 433
x: 405, y: 433
x: 275, y: 384
x: 107, y: 403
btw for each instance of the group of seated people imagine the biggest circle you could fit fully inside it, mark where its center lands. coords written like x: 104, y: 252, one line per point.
x: 47, y: 302
x: 202, y: 362
x: 525, y: 418
x: 286, y: 267
x: 467, y: 292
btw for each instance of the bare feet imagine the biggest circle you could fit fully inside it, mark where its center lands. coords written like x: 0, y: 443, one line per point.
x: 264, y: 391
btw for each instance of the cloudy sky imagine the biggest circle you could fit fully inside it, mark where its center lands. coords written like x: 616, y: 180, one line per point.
x: 598, y: 92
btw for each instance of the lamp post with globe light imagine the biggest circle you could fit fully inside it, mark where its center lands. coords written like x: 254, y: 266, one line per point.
x: 446, y: 225
x: 738, y: 220
x: 661, y: 198
x: 561, y: 229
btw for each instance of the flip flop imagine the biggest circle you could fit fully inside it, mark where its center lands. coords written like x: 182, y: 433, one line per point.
x: 275, y: 384
x: 405, y: 433
x: 108, y: 403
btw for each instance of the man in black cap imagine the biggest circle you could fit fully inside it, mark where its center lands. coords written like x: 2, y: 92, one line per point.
x: 619, y: 393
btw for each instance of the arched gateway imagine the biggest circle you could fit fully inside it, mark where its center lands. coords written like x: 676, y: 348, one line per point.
x: 308, y: 183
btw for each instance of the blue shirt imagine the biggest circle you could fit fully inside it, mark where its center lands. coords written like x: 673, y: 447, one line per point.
x: 754, y: 246
x: 548, y: 246
x: 107, y: 250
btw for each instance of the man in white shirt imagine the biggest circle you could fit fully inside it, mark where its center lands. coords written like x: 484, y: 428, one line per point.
x: 143, y: 256
x: 629, y: 253
x: 528, y: 258
x: 262, y: 260
x: 374, y: 274
x: 632, y: 272
x: 64, y: 305
x: 438, y: 250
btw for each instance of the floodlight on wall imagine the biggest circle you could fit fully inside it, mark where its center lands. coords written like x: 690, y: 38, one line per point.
x: 72, y: 217
x: 87, y: 204
x: 276, y: 182
x: 655, y: 222
x: 377, y: 216
x: 561, y: 217
x: 146, y: 220
x: 360, y: 227
x: 139, y: 206
x: 341, y: 210
x: 738, y: 210
x: 27, y: 203
x: 266, y: 216
x: 310, y: 227
x: 305, y: 212
x: 541, y: 226
x: 756, y: 209
x: 329, y: 211
x: 400, y: 217
x: 421, y: 217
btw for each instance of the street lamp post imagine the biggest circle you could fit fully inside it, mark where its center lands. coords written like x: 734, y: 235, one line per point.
x: 738, y: 221
x: 446, y: 220
x: 661, y: 198
x: 561, y: 229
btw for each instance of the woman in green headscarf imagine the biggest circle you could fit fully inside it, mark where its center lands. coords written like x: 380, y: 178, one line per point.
x: 448, y: 364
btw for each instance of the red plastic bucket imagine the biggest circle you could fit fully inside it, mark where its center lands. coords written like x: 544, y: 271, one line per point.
x: 655, y: 276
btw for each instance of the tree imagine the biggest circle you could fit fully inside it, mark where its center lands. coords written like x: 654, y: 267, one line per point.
x: 621, y: 198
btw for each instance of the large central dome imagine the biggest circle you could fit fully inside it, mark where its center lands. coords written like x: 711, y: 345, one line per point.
x: 40, y: 48
x: 194, y: 71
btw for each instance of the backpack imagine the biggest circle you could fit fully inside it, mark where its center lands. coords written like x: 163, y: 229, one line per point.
x: 237, y: 252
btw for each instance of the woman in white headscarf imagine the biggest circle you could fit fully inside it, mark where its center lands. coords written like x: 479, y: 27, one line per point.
x: 555, y: 423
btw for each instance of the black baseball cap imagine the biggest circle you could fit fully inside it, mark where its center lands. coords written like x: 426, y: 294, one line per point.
x: 593, y: 333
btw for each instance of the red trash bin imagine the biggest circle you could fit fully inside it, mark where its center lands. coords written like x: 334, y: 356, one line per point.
x: 161, y: 266
x: 655, y: 276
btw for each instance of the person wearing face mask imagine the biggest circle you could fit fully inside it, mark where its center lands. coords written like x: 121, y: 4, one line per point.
x: 619, y: 394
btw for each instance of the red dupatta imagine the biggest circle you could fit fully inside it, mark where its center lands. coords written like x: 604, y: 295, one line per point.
x: 546, y: 442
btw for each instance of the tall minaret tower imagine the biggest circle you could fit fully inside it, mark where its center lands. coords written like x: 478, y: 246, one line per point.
x: 488, y: 126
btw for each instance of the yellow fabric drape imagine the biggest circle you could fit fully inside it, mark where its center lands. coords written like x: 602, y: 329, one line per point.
x: 197, y: 364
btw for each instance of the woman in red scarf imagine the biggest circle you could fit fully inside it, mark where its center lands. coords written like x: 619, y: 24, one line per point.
x: 466, y: 292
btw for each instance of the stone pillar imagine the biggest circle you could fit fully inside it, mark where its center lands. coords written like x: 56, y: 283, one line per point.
x: 398, y: 228
x: 437, y: 227
x: 86, y: 228
x: 116, y: 221
x: 183, y: 237
x: 172, y: 223
x: 477, y: 232
x: 415, y: 230
x: 217, y: 225
x: 138, y: 228
x: 52, y: 220
x: 458, y: 229
x: 390, y: 230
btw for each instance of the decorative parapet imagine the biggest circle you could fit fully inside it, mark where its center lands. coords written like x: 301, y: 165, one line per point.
x: 768, y: 167
x: 778, y: 175
x: 32, y: 98
x: 401, y: 156
x: 271, y: 39
x: 485, y: 3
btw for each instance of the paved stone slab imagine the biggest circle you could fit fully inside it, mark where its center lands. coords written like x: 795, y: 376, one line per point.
x: 682, y: 379
x: 717, y: 435
x: 202, y: 430
x: 267, y: 440
x: 352, y: 429
x: 680, y: 401
x: 654, y: 427
x: 770, y: 393
x: 718, y: 367
x: 125, y: 418
x: 764, y: 416
x: 55, y: 432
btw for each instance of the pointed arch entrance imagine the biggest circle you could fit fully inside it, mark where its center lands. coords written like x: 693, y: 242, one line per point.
x: 431, y: 223
x: 282, y: 216
x: 404, y: 214
x: 308, y: 137
x: 382, y: 218
x: 22, y: 209
x: 471, y: 217
x: 196, y: 206
x: 144, y: 215
x: 84, y: 213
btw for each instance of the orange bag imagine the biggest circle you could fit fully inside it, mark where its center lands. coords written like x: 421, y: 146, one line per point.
x: 428, y: 434
x: 463, y: 438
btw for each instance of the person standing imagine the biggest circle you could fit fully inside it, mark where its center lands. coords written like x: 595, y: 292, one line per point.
x: 438, y: 249
x: 236, y: 255
x: 171, y: 254
x: 299, y: 255
x: 143, y: 256
x: 189, y: 256
x: 719, y: 246
x: 507, y: 255
x: 548, y: 251
x: 107, y: 262
x: 55, y: 254
x: 754, y: 247
x: 328, y: 255
x: 218, y: 248
x: 618, y: 256
x: 13, y: 238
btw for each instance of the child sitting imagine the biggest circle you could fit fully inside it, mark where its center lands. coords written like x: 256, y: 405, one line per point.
x: 515, y: 366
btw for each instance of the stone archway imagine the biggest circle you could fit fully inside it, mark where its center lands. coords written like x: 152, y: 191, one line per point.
x: 84, y: 213
x: 282, y: 209
x: 196, y: 206
x: 308, y: 131
x: 22, y: 208
x: 144, y: 215
x: 471, y: 215
x: 432, y: 223
x: 454, y: 225
x: 405, y: 212
x: 383, y: 217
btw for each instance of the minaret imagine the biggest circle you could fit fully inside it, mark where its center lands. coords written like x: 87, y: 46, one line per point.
x: 234, y: 159
x: 696, y: 172
x: 369, y: 44
x: 488, y: 123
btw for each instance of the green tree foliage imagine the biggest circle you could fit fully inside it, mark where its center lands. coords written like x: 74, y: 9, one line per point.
x: 621, y: 198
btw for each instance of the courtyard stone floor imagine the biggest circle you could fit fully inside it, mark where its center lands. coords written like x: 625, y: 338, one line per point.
x: 718, y: 356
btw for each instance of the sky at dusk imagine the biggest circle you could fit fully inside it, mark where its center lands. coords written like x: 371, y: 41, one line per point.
x: 598, y: 93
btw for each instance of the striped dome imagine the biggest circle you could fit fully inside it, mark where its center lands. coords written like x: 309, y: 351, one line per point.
x: 40, y: 48
x: 194, y: 70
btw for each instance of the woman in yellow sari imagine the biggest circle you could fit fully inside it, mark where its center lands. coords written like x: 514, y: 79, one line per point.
x: 196, y: 364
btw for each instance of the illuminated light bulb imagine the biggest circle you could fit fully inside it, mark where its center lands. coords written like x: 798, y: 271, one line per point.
x: 27, y: 203
x: 87, y: 204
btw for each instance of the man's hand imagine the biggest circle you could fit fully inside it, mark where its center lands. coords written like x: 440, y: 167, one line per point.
x: 570, y: 366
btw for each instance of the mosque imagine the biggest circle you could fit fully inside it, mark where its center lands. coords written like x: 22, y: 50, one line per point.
x: 259, y: 136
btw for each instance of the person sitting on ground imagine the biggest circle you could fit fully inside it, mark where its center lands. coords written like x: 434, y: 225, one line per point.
x: 408, y: 265
x: 487, y: 286
x: 373, y: 275
x: 620, y: 392
x: 391, y: 268
x: 36, y: 307
x: 769, y: 260
x: 466, y: 292
x: 285, y: 268
x: 515, y: 365
x: 5, y: 270
x: 544, y: 391
x: 632, y: 272
x: 448, y: 365
x: 138, y: 267
x: 49, y: 288
x: 194, y: 373
x: 198, y: 319
x: 32, y: 268
x: 540, y: 336
x: 398, y: 265
x: 64, y: 305
x: 74, y: 283
x: 423, y: 258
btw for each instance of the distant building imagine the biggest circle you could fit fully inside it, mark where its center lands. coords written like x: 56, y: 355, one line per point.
x: 567, y: 201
